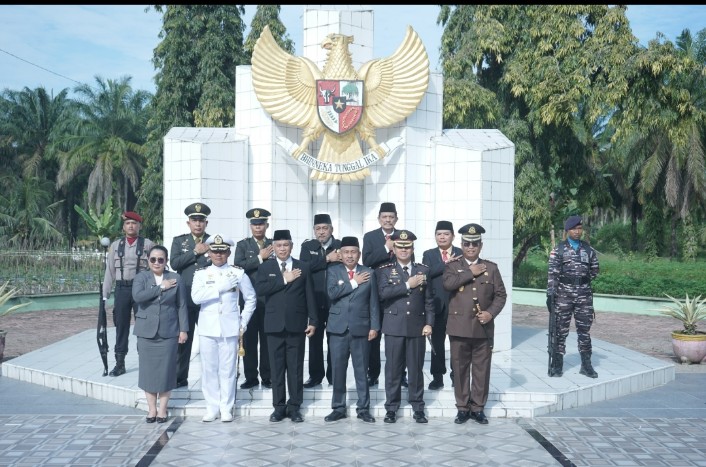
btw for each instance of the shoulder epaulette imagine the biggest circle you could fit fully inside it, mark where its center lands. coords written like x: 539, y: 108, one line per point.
x: 182, y: 235
x: 235, y: 266
x: 307, y: 240
x: 200, y: 269
x: 386, y: 265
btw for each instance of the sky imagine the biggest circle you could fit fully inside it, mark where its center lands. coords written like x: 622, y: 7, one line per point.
x: 61, y: 46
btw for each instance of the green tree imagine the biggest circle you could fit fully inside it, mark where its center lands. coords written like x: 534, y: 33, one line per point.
x: 267, y: 15
x: 195, y: 62
x: 27, y: 213
x: 106, y: 141
x: 545, y: 77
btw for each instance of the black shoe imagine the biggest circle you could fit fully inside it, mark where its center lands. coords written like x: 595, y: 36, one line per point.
x: 162, y: 419
x: 462, y: 417
x: 404, y: 382
x: 366, y: 417
x: 372, y: 382
x: 335, y: 416
x: 310, y: 383
x: 117, y: 371
x: 249, y: 383
x: 479, y: 417
x: 296, y: 416
x: 276, y: 416
x: 151, y: 419
x: 390, y: 417
x: 266, y: 383
x: 420, y: 417
x: 437, y: 383
x: 181, y: 384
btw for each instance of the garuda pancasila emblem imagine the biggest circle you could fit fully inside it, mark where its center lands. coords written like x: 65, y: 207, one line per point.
x: 339, y: 102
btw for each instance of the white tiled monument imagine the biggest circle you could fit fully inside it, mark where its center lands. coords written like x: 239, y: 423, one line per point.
x: 461, y: 176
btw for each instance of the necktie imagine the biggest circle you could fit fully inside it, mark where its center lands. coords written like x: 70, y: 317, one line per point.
x: 444, y: 256
x: 406, y: 272
x: 350, y: 275
x: 284, y: 266
x: 260, y: 244
x: 197, y: 240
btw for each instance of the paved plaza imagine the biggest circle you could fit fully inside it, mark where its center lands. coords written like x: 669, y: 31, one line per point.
x: 659, y: 421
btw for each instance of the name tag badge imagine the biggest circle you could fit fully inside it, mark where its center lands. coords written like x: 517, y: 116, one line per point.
x: 340, y: 282
x: 272, y: 275
x: 314, y: 252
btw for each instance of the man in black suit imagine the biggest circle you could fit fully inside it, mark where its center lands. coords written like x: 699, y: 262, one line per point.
x: 408, y: 310
x: 320, y: 252
x: 189, y: 253
x: 250, y: 253
x: 354, y: 320
x: 378, y: 250
x: 436, y: 259
x: 290, y: 314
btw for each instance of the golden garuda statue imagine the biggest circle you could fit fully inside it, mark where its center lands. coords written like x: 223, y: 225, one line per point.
x: 339, y: 101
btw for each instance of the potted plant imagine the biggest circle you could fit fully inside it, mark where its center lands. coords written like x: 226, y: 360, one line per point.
x: 6, y: 293
x: 689, y: 345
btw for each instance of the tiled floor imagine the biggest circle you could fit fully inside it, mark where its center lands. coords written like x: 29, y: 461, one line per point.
x: 665, y: 425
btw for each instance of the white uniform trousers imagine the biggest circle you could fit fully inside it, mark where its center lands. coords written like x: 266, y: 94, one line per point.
x: 218, y: 358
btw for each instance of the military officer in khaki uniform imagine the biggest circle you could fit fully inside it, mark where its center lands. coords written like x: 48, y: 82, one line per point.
x: 126, y: 257
x: 477, y: 295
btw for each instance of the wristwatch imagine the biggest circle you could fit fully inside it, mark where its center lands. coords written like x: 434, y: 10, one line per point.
x: 161, y: 287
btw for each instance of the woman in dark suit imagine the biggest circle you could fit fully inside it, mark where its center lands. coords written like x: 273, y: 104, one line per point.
x: 161, y: 323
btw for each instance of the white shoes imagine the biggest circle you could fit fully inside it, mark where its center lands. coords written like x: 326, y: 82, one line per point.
x: 209, y: 417
x: 226, y: 417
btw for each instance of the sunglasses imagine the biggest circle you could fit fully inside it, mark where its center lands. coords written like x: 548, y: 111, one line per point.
x: 157, y: 260
x: 469, y: 244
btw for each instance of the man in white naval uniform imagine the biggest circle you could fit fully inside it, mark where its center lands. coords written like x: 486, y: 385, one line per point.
x: 217, y: 288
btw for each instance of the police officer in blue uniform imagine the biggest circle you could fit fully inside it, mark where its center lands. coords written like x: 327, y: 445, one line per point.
x: 573, y: 264
x: 407, y: 305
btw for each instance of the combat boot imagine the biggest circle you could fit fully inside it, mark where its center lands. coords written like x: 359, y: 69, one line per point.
x: 586, y: 367
x: 557, y: 368
x: 119, y: 365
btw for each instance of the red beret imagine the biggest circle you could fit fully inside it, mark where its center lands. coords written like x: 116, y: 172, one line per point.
x: 132, y: 215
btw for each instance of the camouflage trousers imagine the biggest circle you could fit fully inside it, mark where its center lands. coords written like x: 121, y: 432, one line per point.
x: 578, y: 304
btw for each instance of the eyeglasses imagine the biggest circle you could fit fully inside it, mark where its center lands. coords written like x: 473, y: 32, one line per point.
x: 470, y: 244
x: 154, y: 259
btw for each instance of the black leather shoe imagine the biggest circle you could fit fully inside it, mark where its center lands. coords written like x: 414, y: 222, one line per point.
x: 372, y: 382
x: 404, y: 382
x: 335, y: 416
x: 266, y: 383
x: 181, y: 384
x: 310, y: 383
x: 296, y: 416
x: 419, y: 416
x: 390, y: 417
x: 162, y: 419
x: 249, y: 383
x: 462, y: 417
x: 479, y: 417
x: 437, y: 383
x: 151, y: 419
x: 276, y: 416
x: 366, y: 417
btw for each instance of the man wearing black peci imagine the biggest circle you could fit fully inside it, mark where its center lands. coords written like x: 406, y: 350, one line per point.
x: 321, y: 253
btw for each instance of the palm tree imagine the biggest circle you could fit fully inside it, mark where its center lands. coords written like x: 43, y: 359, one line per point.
x: 106, y: 141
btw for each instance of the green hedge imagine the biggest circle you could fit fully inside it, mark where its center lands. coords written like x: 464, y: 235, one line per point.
x: 627, y: 276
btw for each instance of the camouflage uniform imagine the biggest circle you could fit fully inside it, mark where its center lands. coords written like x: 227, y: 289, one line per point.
x: 570, y: 275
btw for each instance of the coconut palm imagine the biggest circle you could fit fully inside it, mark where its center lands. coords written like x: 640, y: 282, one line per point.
x: 106, y: 141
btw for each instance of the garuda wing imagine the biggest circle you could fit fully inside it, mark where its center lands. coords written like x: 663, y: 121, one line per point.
x: 285, y: 85
x: 394, y: 86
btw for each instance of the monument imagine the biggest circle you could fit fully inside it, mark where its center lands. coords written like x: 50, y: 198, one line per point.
x: 297, y: 169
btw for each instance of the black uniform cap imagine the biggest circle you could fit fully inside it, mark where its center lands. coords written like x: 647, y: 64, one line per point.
x: 471, y: 232
x: 444, y: 225
x: 281, y: 235
x: 388, y: 207
x: 350, y: 241
x: 322, y: 219
x: 258, y: 215
x: 403, y: 238
x: 571, y: 222
x: 197, y: 210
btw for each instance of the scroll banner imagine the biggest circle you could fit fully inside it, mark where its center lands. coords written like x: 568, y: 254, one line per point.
x: 340, y: 167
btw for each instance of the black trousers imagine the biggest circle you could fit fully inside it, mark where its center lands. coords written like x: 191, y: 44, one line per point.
x: 123, y: 309
x: 287, y: 362
x: 254, y: 335
x: 316, y: 350
x: 438, y: 340
x: 184, y: 350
